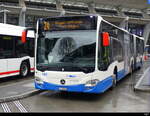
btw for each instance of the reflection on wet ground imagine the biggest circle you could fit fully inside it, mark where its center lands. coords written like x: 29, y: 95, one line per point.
x: 122, y: 98
x: 14, y: 79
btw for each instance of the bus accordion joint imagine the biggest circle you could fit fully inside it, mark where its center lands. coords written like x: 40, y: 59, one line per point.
x: 105, y: 39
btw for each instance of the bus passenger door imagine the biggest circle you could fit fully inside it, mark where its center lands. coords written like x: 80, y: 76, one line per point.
x: 127, y: 54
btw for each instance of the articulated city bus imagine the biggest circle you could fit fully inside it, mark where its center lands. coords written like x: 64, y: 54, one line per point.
x: 16, y: 53
x: 83, y: 54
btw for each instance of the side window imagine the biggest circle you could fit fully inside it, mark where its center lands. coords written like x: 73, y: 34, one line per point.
x: 132, y: 44
x: 117, y: 50
x: 137, y: 50
x: 114, y: 49
x: 120, y: 53
x: 1, y: 47
x: 138, y: 45
x: 7, y: 47
x: 29, y: 47
x: 105, y: 53
x: 19, y: 47
x: 142, y: 47
x: 26, y: 48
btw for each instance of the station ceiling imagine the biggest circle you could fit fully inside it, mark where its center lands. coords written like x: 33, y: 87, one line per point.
x: 138, y: 4
x: 121, y: 6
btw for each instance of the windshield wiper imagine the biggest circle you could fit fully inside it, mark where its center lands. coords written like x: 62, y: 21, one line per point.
x: 42, y: 68
x: 67, y: 59
x: 65, y: 68
x: 85, y: 69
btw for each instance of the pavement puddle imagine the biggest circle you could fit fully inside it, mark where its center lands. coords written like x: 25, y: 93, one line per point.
x: 134, y: 97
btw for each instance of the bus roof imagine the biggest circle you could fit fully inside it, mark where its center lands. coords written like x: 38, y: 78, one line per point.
x: 12, y: 30
x: 97, y: 15
x: 142, y: 38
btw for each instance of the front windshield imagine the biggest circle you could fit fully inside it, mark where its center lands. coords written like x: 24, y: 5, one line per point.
x: 67, y: 51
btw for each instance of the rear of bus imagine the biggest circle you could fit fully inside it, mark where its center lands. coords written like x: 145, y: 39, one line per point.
x: 16, y: 54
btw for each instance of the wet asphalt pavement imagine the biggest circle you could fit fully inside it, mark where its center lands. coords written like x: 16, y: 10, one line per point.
x: 122, y: 98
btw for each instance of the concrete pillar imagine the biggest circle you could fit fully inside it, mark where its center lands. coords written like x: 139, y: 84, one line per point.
x: 120, y: 12
x: 124, y: 23
x: 146, y: 33
x: 59, y: 7
x: 91, y: 7
x: 5, y: 17
x: 4, y: 12
x: 22, y: 14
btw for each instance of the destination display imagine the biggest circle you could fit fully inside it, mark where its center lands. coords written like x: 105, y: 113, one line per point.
x: 69, y: 23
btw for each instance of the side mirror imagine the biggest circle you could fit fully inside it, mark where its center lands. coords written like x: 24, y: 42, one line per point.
x: 105, y: 39
x: 24, y: 36
x: 25, y: 32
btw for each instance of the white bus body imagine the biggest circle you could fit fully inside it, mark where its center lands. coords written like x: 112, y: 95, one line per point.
x: 90, y: 66
x: 14, y: 54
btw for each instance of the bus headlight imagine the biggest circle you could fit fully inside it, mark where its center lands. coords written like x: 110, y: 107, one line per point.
x: 38, y: 80
x: 91, y: 83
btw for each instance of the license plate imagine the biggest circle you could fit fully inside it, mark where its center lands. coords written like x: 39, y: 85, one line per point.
x: 63, y: 89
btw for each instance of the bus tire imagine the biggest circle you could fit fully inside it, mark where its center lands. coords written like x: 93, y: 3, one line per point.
x: 114, y: 81
x: 141, y: 62
x: 132, y: 68
x: 24, y: 69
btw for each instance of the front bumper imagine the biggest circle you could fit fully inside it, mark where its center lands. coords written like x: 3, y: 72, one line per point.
x: 101, y: 87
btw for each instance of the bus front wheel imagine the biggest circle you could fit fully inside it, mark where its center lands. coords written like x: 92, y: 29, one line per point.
x: 114, y: 80
x: 24, y: 69
x: 115, y: 75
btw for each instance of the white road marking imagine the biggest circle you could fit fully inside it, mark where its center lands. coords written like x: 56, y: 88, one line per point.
x: 5, y: 107
x: 20, y: 106
x: 140, y: 80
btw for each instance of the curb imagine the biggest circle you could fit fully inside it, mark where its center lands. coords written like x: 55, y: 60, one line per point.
x: 137, y: 86
x: 142, y: 90
x: 21, y: 96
